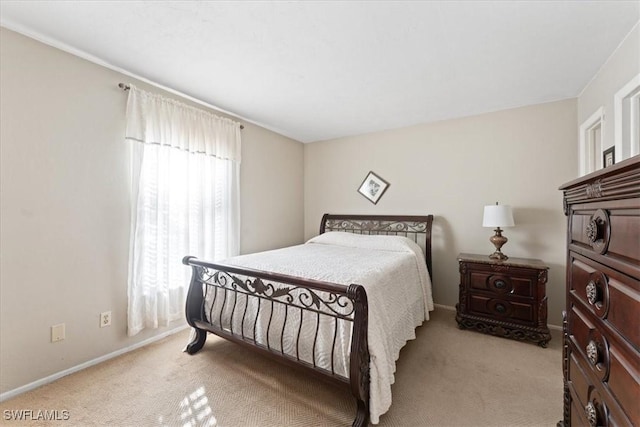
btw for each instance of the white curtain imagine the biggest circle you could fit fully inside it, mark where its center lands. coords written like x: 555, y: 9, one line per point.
x: 185, y: 193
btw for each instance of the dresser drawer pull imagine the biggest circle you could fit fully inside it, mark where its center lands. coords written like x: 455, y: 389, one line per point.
x: 500, y: 284
x: 592, y: 415
x: 593, y: 233
x: 598, y: 231
x: 592, y: 353
x: 592, y: 292
x: 596, y: 293
x: 500, y: 308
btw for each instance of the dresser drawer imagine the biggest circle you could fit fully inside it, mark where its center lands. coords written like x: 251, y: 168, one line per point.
x: 588, y: 404
x: 608, y: 295
x: 589, y: 344
x: 607, y: 363
x: 609, y: 235
x: 624, y: 384
x: 592, y: 403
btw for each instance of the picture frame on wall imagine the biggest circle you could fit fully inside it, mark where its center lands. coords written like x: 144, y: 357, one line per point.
x: 609, y: 157
x: 373, y: 187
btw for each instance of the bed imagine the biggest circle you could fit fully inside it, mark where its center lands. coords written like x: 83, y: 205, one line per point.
x: 341, y: 306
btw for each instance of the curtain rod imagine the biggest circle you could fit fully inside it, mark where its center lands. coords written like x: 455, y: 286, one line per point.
x: 126, y: 87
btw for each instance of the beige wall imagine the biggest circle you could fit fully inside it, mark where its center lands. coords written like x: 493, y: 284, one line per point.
x: 272, y: 191
x: 452, y: 169
x: 620, y: 68
x: 65, y: 207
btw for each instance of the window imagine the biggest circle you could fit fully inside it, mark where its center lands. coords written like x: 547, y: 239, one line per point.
x: 627, y: 120
x: 590, y: 150
x: 184, y: 201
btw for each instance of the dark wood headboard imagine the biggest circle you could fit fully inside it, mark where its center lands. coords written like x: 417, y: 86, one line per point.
x: 414, y: 227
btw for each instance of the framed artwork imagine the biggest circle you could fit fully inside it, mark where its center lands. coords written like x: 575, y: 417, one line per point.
x: 373, y: 187
x: 609, y: 157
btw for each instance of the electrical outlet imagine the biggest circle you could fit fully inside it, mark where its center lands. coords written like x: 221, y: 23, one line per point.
x: 105, y: 319
x: 57, y: 332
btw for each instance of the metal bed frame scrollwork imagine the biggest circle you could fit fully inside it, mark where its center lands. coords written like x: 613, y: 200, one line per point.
x: 342, y: 305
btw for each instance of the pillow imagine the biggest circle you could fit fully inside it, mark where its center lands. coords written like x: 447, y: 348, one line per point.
x: 364, y: 241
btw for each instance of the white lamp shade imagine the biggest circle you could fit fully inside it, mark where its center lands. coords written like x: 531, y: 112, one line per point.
x: 498, y: 216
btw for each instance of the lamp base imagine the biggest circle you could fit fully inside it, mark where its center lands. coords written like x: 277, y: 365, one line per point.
x: 498, y: 241
x: 499, y: 256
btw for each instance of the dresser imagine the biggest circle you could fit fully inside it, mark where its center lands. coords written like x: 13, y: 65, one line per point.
x: 504, y: 298
x: 601, y: 359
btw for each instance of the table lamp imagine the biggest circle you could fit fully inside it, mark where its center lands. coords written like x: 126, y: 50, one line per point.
x: 498, y: 216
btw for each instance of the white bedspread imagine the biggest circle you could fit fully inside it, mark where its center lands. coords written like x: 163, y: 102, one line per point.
x: 392, y: 270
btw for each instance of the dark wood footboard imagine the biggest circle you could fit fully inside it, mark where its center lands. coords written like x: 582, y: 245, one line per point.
x: 218, y: 301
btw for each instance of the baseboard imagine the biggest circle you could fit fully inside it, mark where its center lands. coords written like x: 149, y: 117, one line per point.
x: 51, y: 378
x: 451, y: 308
x: 444, y: 307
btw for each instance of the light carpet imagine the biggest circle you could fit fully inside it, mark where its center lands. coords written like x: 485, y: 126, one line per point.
x: 445, y: 377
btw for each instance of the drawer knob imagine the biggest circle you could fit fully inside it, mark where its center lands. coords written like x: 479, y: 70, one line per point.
x: 598, y: 231
x: 500, y: 308
x: 592, y: 415
x: 593, y: 231
x: 592, y: 292
x: 592, y: 353
x: 500, y: 284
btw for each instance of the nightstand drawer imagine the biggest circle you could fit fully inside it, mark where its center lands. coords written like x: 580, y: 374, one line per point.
x: 499, y: 283
x: 501, y: 308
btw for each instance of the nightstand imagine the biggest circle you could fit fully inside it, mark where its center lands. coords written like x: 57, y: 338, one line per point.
x: 504, y: 298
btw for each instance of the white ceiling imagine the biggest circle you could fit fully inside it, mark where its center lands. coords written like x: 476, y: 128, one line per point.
x: 326, y: 69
